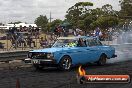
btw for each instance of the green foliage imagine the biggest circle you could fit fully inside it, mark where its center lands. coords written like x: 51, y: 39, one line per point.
x: 126, y: 8
x: 82, y: 16
x: 105, y: 22
x: 42, y: 22
x: 75, y: 12
x: 81, y: 24
x: 56, y: 22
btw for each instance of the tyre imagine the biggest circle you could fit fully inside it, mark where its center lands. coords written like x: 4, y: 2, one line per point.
x: 102, y: 60
x: 65, y: 63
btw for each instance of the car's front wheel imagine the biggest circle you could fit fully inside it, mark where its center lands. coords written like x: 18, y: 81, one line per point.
x: 65, y: 63
x: 102, y: 60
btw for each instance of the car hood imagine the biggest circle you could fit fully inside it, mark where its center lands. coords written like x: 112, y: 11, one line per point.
x: 53, y: 49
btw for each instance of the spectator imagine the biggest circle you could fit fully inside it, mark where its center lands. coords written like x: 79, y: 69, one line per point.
x: 33, y: 31
x: 36, y: 32
x: 24, y: 29
x: 30, y: 29
x: 126, y: 26
x: 57, y: 31
x: 43, y: 43
x: 30, y: 41
x: 74, y: 32
x: 98, y: 33
x: 21, y: 39
x: 13, y: 30
x: 21, y: 29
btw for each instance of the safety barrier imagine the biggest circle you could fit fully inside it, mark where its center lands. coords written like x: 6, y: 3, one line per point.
x: 13, y: 55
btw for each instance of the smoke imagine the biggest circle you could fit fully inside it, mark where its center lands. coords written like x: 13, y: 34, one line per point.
x: 122, y: 55
x: 123, y: 45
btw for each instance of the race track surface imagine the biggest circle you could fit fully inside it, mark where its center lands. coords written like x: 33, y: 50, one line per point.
x: 53, y: 78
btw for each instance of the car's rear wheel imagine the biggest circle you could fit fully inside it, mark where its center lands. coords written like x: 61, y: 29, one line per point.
x: 102, y: 60
x: 65, y: 63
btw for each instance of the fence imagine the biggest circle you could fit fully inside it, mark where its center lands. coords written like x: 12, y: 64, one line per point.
x: 12, y: 49
x: 22, y: 41
x: 14, y: 55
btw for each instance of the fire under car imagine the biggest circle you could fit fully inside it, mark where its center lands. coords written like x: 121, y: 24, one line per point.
x: 67, y: 52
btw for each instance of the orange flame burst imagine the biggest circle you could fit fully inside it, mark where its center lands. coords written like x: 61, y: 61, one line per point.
x: 81, y: 71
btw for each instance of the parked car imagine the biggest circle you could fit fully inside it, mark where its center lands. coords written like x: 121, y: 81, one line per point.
x: 71, y: 51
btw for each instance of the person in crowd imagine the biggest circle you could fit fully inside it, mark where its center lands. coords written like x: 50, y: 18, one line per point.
x: 14, y: 36
x: 63, y: 32
x: 57, y: 31
x: 33, y: 30
x: 77, y: 31
x: 36, y: 31
x: 98, y: 33
x: 30, y: 29
x: 21, y: 28
x: 110, y: 32
x: 24, y: 29
x: 43, y: 42
x: 14, y: 29
x: 10, y: 31
x: 126, y: 26
x: 30, y: 41
x: 21, y: 40
x: 74, y: 33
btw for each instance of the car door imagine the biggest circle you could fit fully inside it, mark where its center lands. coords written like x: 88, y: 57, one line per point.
x: 81, y: 51
x: 93, y: 50
x: 82, y: 54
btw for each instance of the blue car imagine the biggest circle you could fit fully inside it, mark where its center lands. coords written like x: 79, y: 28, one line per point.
x: 71, y: 51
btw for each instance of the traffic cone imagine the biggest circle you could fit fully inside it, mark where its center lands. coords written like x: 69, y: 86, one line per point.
x: 17, y: 83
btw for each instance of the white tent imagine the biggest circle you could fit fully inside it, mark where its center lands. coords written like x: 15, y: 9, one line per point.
x: 7, y: 26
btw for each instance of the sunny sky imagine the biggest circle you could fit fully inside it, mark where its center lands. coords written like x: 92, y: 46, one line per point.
x: 28, y: 10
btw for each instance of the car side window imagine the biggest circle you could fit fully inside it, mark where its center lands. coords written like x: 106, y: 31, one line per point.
x: 92, y: 42
x: 81, y: 43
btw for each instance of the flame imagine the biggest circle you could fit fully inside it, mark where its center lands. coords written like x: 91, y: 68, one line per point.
x: 81, y: 71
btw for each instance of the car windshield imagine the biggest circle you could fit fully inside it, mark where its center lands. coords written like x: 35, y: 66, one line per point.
x: 65, y: 43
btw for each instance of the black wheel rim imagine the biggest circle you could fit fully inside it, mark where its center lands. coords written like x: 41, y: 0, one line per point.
x: 66, y: 63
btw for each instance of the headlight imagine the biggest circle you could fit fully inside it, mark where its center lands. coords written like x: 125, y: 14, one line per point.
x: 50, y: 55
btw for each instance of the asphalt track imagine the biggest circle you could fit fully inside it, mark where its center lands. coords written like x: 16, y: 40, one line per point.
x: 53, y: 78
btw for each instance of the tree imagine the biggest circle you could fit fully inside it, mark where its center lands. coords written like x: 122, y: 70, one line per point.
x: 75, y: 12
x: 55, y: 23
x: 80, y: 15
x: 126, y: 9
x: 42, y: 22
x: 107, y: 9
x: 105, y: 22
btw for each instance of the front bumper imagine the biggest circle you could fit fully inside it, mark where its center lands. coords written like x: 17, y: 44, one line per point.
x: 44, y: 62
